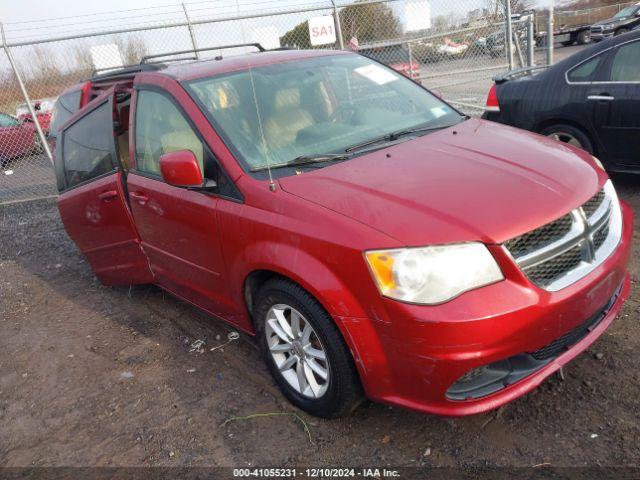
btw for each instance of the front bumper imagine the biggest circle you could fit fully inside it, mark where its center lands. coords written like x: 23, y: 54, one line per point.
x: 411, y: 355
x: 597, y: 36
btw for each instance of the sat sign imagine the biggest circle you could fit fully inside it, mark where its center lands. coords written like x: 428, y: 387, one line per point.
x: 322, y: 30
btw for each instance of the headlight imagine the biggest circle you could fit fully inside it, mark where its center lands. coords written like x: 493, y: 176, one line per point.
x: 608, y: 26
x: 432, y: 275
x: 597, y: 162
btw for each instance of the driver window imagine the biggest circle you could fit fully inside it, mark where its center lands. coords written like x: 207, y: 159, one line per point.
x: 161, y: 128
x: 87, y: 146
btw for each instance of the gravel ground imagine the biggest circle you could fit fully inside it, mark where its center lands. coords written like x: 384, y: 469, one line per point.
x: 91, y: 375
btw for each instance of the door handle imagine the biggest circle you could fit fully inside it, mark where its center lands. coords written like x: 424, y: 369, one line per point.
x: 108, y: 195
x: 601, y: 98
x: 139, y: 197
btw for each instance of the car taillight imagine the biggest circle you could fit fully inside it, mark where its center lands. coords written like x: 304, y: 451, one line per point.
x: 492, y: 100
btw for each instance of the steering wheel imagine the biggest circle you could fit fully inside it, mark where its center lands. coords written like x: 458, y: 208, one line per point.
x: 344, y: 112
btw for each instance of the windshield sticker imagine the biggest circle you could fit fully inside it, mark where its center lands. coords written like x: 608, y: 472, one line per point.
x: 438, y: 112
x: 376, y: 74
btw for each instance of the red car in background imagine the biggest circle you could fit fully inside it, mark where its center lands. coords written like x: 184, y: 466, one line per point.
x: 375, y: 240
x: 17, y: 138
x: 43, y: 108
x: 395, y: 56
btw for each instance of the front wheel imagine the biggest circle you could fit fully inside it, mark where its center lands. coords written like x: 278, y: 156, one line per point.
x: 305, y: 351
x: 620, y: 31
x: 584, y: 37
x: 569, y: 134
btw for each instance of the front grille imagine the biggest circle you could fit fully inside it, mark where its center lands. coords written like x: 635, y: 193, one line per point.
x: 539, y: 237
x: 600, y: 236
x: 546, y: 272
x: 593, y: 203
x: 563, y: 251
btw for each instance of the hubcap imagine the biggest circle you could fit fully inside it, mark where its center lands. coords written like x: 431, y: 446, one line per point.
x: 297, y: 351
x: 566, y: 138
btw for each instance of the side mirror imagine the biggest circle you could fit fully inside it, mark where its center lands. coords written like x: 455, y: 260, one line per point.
x: 181, y: 169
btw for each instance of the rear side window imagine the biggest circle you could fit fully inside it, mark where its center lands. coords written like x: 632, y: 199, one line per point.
x: 626, y: 63
x: 87, y: 147
x: 585, y: 72
x: 161, y: 128
x: 63, y: 109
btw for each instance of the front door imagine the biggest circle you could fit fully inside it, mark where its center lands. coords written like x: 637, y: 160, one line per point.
x: 178, y: 227
x: 92, y: 201
x: 616, y: 102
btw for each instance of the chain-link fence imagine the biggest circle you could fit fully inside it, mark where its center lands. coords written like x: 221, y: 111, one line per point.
x: 453, y: 47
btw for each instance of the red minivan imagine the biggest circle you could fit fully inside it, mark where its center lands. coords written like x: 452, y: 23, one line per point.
x: 376, y: 241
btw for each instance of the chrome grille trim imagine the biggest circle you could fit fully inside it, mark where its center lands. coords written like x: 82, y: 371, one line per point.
x: 595, y: 231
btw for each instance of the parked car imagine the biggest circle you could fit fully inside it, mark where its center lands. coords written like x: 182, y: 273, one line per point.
x: 590, y: 100
x: 373, y: 239
x: 42, y: 107
x: 17, y: 138
x: 395, y: 56
x: 622, y: 22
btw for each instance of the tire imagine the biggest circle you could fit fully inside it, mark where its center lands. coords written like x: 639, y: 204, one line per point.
x: 620, y: 31
x: 569, y: 134
x: 568, y: 43
x: 341, y: 392
x: 584, y: 37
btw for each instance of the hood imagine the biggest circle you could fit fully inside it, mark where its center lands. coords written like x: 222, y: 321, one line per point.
x: 477, y: 181
x: 610, y: 20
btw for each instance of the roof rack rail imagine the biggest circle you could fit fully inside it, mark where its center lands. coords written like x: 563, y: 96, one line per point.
x: 144, y: 60
x: 121, y: 72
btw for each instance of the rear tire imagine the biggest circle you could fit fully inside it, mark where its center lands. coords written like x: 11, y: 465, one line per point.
x: 569, y: 134
x: 283, y: 312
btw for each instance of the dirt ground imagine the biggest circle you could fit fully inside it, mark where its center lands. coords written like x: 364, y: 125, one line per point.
x: 91, y: 375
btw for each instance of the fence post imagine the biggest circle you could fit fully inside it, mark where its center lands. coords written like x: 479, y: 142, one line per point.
x: 531, y: 42
x: 25, y: 95
x: 336, y: 20
x: 191, y: 32
x: 550, y: 35
x: 508, y: 34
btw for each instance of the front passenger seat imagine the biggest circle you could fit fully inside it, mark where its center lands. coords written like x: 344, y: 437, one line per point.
x: 287, y: 119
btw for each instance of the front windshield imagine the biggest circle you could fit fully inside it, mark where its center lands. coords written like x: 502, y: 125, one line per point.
x: 314, y: 106
x: 627, y: 12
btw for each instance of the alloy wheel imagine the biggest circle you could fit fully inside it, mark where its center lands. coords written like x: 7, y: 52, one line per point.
x: 297, y: 351
x: 566, y: 138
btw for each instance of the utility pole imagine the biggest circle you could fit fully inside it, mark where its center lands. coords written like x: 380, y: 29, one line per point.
x: 550, y: 35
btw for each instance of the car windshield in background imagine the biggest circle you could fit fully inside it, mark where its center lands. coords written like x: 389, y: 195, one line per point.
x: 627, y: 12
x: 318, y: 106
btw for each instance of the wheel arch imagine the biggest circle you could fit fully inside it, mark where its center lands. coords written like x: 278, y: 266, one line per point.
x: 300, y: 267
x: 548, y: 122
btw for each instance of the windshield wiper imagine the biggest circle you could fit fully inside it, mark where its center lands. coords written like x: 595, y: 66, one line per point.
x: 390, y: 137
x: 306, y: 160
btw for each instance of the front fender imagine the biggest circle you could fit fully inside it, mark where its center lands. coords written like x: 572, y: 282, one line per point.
x: 301, y: 267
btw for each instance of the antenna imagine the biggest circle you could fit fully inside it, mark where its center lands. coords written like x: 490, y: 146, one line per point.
x: 272, y: 185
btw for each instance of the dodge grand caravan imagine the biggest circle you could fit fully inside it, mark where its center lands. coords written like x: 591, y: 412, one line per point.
x: 373, y: 239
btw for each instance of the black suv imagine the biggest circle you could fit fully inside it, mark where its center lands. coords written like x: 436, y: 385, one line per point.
x: 624, y: 21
